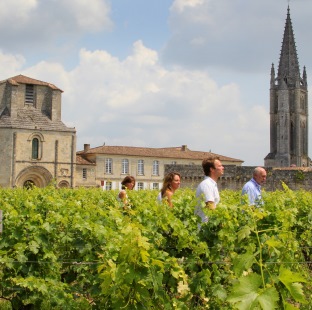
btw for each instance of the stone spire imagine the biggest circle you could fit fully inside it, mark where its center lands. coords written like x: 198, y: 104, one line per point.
x: 288, y: 108
x: 272, y: 75
x: 288, y: 69
x: 304, y: 77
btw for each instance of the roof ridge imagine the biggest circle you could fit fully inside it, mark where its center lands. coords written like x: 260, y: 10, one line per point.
x: 154, y: 152
x: 23, y: 79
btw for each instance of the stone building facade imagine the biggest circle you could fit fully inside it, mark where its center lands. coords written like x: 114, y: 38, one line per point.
x: 288, y: 108
x: 37, y: 148
x: 106, y: 165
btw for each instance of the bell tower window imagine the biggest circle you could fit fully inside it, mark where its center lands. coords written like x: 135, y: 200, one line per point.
x: 29, y: 94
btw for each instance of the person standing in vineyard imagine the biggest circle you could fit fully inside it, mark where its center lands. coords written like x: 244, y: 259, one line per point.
x: 208, y: 189
x: 253, y: 187
x: 171, y: 183
x: 127, y: 183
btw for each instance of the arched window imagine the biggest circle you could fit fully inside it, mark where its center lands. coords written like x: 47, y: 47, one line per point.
x: 35, y: 148
x: 29, y: 184
x: 63, y: 184
x: 35, y: 141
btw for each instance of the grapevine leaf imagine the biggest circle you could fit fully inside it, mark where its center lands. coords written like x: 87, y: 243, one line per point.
x: 46, y: 226
x: 144, y: 256
x: 274, y: 243
x: 159, y: 263
x: 268, y: 298
x: 201, y: 281
x: 290, y: 280
x: 243, y: 233
x: 219, y: 291
x: 247, y: 294
x: 243, y: 262
x: 296, y: 292
x: 288, y: 277
x: 246, y: 287
x: 244, y: 302
x: 33, y: 247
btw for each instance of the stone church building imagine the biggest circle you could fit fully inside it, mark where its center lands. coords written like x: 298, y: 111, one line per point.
x: 36, y: 146
x: 288, y: 108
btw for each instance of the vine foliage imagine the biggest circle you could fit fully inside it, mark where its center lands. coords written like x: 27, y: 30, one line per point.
x: 79, y: 249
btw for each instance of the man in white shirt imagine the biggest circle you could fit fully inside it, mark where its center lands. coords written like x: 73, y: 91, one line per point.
x: 208, y: 189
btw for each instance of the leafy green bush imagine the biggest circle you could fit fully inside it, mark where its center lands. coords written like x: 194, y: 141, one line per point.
x: 79, y: 249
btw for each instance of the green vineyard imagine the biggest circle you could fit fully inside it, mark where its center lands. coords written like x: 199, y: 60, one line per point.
x: 79, y: 249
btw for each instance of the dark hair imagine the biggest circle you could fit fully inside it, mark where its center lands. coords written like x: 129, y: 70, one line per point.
x: 127, y: 179
x: 167, y: 182
x: 209, y: 163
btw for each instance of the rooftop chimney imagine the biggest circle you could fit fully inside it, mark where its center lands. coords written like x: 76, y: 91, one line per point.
x: 183, y: 148
x: 86, y: 147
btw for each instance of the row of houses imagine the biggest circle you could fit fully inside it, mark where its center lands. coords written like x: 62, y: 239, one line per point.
x: 107, y: 165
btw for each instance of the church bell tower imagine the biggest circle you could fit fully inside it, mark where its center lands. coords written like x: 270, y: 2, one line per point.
x: 288, y: 107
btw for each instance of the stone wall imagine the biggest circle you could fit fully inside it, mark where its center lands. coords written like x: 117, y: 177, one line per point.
x: 235, y: 177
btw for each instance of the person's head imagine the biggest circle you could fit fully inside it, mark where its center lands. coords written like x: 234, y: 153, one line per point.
x: 259, y: 175
x: 212, y: 167
x: 172, y: 182
x: 128, y: 182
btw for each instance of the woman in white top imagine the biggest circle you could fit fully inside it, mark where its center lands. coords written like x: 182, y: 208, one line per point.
x: 171, y: 183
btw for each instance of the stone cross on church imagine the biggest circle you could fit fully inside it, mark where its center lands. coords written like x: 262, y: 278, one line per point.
x: 288, y: 107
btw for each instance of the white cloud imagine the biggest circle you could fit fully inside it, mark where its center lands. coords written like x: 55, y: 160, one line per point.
x: 10, y: 64
x: 33, y: 24
x: 91, y: 16
x: 139, y: 102
x: 16, y: 12
x: 54, y: 14
x: 181, y: 5
x: 142, y: 55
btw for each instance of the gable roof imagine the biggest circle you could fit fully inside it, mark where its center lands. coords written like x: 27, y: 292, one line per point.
x: 180, y: 152
x: 22, y: 79
x: 83, y: 161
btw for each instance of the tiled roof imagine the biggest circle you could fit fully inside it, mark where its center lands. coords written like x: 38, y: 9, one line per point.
x: 31, y: 118
x: 82, y: 161
x: 169, y: 152
x: 22, y: 79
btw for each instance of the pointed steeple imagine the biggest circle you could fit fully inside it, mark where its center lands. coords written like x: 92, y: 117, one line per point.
x: 304, y: 77
x: 272, y: 75
x: 289, y: 117
x: 288, y: 69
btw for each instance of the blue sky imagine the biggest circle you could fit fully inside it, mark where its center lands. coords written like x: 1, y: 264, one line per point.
x: 157, y: 73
